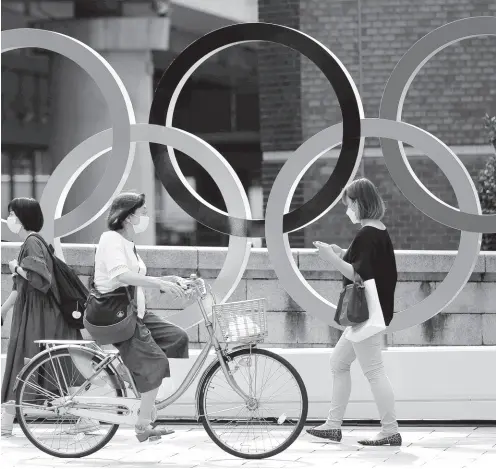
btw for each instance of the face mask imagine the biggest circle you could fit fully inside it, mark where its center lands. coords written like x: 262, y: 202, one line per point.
x: 351, y: 214
x: 142, y: 224
x: 14, y: 224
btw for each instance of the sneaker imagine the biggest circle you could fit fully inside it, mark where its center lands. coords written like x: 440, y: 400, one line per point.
x: 8, y: 416
x: 84, y: 425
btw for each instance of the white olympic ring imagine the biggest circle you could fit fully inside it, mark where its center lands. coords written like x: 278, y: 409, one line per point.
x: 125, y: 132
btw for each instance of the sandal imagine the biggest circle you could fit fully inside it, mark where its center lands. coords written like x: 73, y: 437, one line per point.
x: 165, y: 431
x: 148, y: 433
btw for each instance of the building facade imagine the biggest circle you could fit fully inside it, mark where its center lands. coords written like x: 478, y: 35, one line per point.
x: 448, y: 98
x: 255, y: 103
x: 50, y: 105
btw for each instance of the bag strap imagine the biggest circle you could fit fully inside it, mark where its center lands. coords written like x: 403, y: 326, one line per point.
x: 52, y: 255
x: 48, y: 246
x: 126, y: 287
x: 357, y: 278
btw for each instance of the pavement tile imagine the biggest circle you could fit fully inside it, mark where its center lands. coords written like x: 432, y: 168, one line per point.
x: 190, y: 447
x: 485, y: 430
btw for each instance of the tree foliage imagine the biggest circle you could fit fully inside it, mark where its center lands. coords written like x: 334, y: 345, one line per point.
x: 487, y: 184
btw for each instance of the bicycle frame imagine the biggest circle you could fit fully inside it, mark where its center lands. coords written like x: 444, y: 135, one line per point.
x: 132, y: 405
x: 212, y: 342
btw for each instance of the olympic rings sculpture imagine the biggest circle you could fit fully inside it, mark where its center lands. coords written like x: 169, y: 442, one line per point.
x: 237, y: 223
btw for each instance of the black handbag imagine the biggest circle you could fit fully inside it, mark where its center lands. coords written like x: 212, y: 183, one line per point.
x: 352, y: 307
x: 110, y: 318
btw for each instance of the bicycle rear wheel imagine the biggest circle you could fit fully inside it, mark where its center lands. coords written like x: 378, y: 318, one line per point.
x: 44, y: 384
x: 273, y: 417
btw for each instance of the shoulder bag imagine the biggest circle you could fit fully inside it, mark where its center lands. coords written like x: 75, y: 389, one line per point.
x: 352, y: 307
x: 110, y: 318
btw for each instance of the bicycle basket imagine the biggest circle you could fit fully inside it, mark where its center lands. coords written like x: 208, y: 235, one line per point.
x: 242, y: 321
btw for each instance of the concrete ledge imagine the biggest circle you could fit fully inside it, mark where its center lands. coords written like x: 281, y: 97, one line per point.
x: 468, y: 320
x: 448, y: 383
x: 81, y: 256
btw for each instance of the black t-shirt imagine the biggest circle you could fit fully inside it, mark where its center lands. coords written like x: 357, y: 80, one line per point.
x: 371, y: 254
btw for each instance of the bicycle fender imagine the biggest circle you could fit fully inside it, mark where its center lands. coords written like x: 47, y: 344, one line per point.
x: 205, y: 374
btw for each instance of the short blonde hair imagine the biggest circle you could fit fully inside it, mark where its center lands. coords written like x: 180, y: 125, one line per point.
x: 365, y: 194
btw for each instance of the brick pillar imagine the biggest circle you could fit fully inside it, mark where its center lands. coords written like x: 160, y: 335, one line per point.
x: 280, y: 99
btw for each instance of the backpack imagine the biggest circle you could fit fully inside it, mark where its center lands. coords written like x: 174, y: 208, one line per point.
x: 72, y: 294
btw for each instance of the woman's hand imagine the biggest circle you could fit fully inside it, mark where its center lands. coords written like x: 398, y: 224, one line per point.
x: 324, y: 250
x: 171, y: 288
x: 337, y: 250
x: 12, y: 265
x: 183, y: 283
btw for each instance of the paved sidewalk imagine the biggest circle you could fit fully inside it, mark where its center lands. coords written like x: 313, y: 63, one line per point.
x: 190, y: 447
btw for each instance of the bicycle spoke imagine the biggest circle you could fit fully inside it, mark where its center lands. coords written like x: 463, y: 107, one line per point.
x: 63, y: 435
x: 257, y: 428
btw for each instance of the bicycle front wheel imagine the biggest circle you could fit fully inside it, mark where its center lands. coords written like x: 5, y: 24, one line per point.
x: 273, y: 416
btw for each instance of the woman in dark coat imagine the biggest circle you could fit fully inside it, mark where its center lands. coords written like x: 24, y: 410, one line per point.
x: 36, y: 315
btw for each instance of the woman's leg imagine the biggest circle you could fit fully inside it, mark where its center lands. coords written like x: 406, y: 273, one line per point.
x: 369, y: 355
x: 145, y: 417
x: 341, y: 359
x: 173, y: 340
x: 148, y: 366
x: 8, y: 415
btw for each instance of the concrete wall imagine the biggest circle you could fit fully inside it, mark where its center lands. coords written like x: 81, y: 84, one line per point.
x: 469, y: 320
x: 430, y: 381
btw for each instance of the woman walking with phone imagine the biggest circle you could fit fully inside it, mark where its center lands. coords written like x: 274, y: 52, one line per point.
x: 371, y: 255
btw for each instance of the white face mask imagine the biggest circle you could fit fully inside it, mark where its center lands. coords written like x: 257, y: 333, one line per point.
x: 142, y: 224
x: 14, y: 224
x: 352, y: 215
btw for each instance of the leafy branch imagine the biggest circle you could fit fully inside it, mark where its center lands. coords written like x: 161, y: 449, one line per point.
x: 487, y: 183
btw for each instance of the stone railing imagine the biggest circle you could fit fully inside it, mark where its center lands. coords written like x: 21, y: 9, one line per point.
x: 469, y: 320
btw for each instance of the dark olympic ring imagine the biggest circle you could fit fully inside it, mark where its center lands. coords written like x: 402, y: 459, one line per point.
x: 176, y: 75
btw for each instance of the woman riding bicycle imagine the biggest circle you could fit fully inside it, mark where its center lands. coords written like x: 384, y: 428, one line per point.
x: 117, y: 265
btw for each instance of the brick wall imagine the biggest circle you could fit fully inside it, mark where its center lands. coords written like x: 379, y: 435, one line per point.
x: 280, y: 96
x: 449, y: 95
x: 408, y: 226
x: 279, y: 81
x: 448, y: 98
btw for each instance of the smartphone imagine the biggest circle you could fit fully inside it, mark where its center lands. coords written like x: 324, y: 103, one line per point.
x: 319, y: 243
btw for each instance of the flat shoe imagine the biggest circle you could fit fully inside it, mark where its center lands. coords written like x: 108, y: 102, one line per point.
x: 333, y: 434
x: 149, y: 434
x: 164, y: 431
x: 393, y: 440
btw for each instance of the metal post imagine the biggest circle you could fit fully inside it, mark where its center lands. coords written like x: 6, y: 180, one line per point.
x: 360, y: 69
x: 384, y: 341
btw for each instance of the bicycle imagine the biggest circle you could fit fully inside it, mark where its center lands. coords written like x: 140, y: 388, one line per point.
x: 242, y: 412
